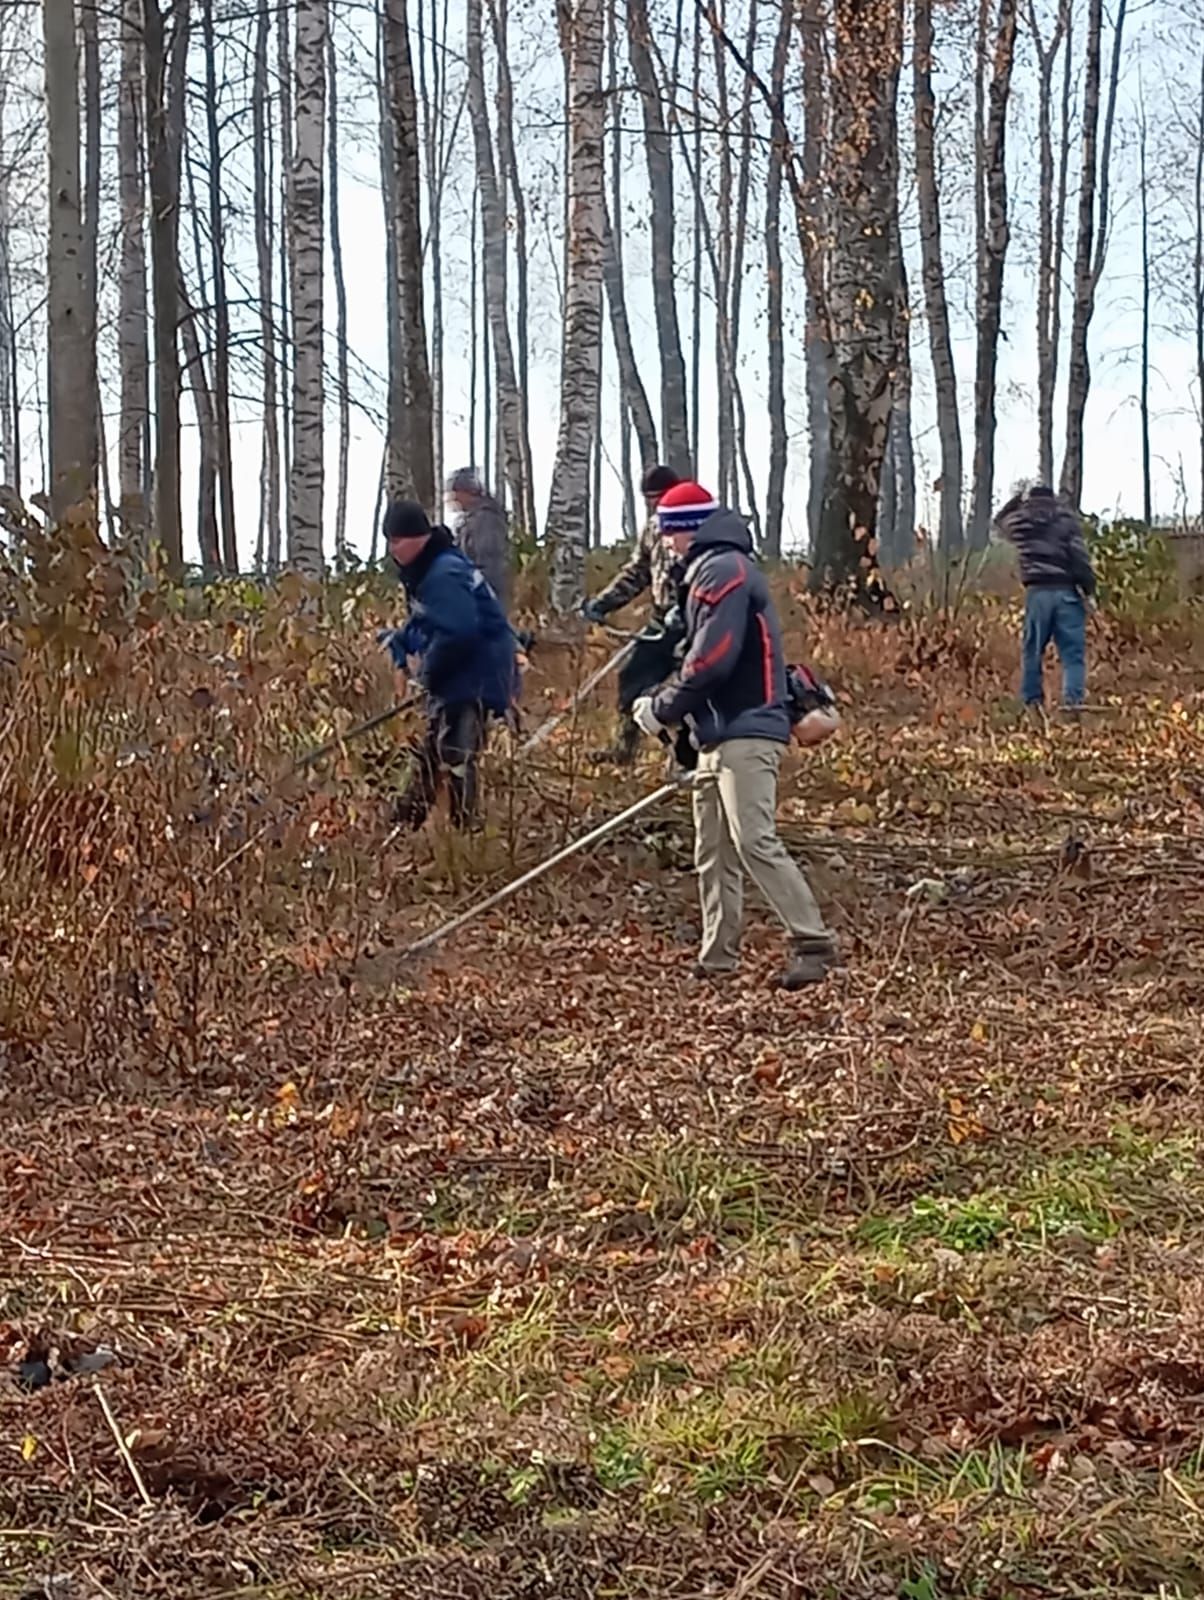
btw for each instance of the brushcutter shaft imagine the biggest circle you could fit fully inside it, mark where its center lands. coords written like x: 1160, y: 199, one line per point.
x: 572, y: 849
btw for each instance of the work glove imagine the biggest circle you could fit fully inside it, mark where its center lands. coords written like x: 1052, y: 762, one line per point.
x: 645, y: 718
x: 592, y: 611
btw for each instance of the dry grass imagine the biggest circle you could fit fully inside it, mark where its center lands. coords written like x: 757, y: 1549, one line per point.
x: 531, y: 1273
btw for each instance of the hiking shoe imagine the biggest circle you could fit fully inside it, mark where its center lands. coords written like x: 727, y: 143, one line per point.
x: 701, y: 974
x: 808, y: 965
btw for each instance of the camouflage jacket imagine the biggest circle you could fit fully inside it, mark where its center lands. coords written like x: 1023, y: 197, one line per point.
x: 649, y: 568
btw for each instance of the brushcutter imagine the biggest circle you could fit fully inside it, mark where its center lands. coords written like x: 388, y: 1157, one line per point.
x: 549, y: 726
x: 680, y: 780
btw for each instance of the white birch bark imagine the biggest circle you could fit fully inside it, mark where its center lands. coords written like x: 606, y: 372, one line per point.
x: 306, y: 264
x: 269, y: 475
x: 568, y: 506
x: 10, y: 465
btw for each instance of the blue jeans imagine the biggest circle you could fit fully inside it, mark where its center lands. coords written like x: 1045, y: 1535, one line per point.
x: 1058, y: 615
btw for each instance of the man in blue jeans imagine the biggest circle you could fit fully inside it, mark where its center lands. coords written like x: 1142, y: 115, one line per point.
x: 1059, y: 584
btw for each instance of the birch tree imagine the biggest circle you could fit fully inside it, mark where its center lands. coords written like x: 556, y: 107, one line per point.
x: 306, y: 266
x: 936, y: 305
x: 992, y: 242
x: 11, y: 20
x: 132, y: 467
x: 568, y: 506
x: 71, y: 320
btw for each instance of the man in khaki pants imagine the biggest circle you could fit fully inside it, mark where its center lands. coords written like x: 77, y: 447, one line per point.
x: 732, y: 691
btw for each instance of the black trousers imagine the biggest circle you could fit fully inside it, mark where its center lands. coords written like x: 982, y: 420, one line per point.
x: 450, y: 749
x: 646, y: 668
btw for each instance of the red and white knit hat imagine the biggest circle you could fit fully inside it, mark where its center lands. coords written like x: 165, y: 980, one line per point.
x: 684, y: 508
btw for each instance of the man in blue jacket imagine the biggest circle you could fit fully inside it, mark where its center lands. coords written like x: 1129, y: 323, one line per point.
x: 731, y: 691
x: 459, y: 648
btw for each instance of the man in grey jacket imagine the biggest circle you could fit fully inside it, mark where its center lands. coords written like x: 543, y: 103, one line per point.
x: 481, y: 530
x: 731, y: 691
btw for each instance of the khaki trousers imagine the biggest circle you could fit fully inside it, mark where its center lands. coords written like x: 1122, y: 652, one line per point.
x: 735, y: 797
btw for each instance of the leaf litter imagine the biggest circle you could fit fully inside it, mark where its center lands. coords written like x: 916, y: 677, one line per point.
x: 531, y: 1271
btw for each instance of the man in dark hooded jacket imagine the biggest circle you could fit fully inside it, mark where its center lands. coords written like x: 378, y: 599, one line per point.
x: 731, y: 691
x: 458, y: 645
x: 1059, y: 583
x: 481, y: 531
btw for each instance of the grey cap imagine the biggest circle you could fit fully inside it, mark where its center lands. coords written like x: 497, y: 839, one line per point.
x: 465, y: 480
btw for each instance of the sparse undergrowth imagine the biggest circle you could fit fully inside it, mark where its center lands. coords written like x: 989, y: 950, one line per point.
x: 530, y: 1272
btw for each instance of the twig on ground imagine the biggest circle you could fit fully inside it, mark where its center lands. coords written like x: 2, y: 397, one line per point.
x: 123, y: 1449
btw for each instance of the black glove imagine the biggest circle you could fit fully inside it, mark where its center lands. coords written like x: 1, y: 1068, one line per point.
x: 592, y: 611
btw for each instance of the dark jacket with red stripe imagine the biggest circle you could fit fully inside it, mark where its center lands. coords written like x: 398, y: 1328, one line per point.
x: 732, y: 683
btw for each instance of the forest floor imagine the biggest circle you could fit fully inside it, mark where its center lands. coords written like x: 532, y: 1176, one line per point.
x: 536, y: 1271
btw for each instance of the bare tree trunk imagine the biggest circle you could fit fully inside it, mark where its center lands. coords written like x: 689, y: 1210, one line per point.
x: 516, y: 448
x: 817, y: 346
x: 269, y: 539
x: 435, y: 130
x: 9, y: 454
x: 342, y: 380
x: 861, y: 300
x: 940, y: 339
x: 743, y: 189
x: 284, y: 75
x: 724, y: 354
x: 473, y: 302
x: 166, y: 60
x: 896, y: 538
x: 131, y: 313
x: 1197, y: 277
x: 221, y: 310
x: 696, y: 234
x: 71, y: 320
x: 1059, y: 238
x: 306, y: 268
x: 634, y: 409
x: 207, y: 475
x: 775, y: 495
x: 416, y: 471
x: 992, y: 254
x: 508, y: 160
x: 675, y: 428
x: 1047, y: 265
x: 1092, y: 246
x: 1146, y: 485
x: 90, y: 36
x: 582, y: 348
x: 635, y: 396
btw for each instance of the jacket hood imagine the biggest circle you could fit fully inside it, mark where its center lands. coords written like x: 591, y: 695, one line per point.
x: 722, y: 528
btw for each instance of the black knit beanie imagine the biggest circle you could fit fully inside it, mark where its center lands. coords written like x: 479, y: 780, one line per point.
x: 405, y: 519
x: 657, y: 480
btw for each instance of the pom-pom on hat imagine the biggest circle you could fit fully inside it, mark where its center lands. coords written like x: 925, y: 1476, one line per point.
x: 684, y: 508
